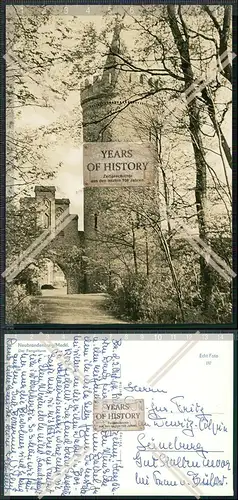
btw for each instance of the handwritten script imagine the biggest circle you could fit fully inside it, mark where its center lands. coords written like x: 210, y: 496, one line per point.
x: 53, y: 448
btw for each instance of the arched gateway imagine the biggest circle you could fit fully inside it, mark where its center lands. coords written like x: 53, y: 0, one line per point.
x: 50, y: 211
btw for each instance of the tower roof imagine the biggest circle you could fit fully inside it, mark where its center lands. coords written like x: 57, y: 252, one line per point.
x: 116, y: 46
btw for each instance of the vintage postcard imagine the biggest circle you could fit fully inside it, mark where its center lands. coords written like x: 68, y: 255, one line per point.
x: 119, y: 161
x: 83, y: 418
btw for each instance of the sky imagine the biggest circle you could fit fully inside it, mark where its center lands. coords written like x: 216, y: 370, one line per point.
x: 69, y: 178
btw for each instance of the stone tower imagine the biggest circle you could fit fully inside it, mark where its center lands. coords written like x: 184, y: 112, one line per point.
x: 101, y: 97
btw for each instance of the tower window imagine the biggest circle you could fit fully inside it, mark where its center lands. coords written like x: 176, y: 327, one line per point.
x: 130, y: 78
x: 110, y: 78
x: 45, y: 221
x: 95, y: 222
x: 142, y: 79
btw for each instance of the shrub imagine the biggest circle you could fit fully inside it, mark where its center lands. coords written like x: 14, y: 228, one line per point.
x: 142, y: 299
x: 20, y: 307
x: 145, y: 299
x: 220, y: 307
x: 28, y: 279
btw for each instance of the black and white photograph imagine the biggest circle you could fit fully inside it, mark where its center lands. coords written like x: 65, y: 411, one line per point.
x: 119, y: 164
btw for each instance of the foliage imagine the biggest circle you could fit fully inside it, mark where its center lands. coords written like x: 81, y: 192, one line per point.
x: 143, y: 299
x: 21, y: 228
x: 28, y: 279
x: 184, y: 41
x: 42, y: 71
x: 20, y: 232
x: 20, y: 307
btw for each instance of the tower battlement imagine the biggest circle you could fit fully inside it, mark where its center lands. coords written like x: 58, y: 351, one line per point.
x: 106, y: 84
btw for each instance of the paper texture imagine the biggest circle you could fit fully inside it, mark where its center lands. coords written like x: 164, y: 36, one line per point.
x: 53, y: 383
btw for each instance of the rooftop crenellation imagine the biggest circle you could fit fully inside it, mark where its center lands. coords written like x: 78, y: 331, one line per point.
x: 102, y: 84
x: 62, y: 201
x: 117, y: 75
x: 39, y: 189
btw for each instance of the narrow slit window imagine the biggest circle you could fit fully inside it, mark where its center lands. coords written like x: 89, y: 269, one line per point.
x: 46, y: 221
x: 95, y: 222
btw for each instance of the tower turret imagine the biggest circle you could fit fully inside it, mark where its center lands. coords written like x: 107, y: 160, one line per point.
x: 107, y: 117
x: 104, y: 99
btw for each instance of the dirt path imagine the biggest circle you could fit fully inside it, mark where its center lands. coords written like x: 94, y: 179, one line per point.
x: 75, y: 309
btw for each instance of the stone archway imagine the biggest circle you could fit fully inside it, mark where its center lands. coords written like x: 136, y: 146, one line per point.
x: 54, y: 274
x: 71, y: 276
x: 50, y: 212
x: 49, y: 275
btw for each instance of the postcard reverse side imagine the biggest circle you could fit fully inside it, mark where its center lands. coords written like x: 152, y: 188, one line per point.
x: 82, y: 411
